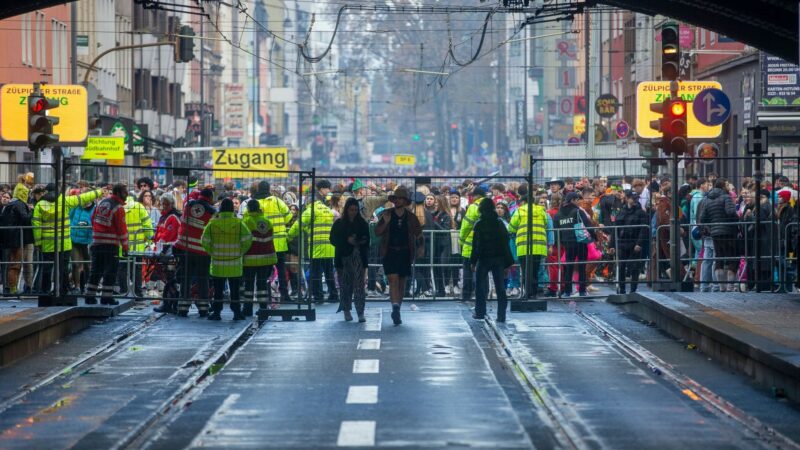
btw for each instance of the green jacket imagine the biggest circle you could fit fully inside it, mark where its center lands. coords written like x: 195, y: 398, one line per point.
x: 140, y: 227
x: 467, y: 227
x: 226, y: 239
x: 279, y: 215
x: 44, y: 219
x: 262, y: 252
x: 320, y: 235
x: 518, y: 227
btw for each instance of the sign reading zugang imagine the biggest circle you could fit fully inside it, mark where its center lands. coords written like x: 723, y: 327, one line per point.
x: 246, y: 162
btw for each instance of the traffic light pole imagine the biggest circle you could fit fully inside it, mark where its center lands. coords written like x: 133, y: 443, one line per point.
x: 674, y: 230
x: 117, y: 49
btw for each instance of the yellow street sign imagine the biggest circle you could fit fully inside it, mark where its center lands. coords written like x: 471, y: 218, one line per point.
x: 262, y: 162
x: 405, y: 160
x: 107, y: 148
x: 648, y: 92
x: 73, y: 112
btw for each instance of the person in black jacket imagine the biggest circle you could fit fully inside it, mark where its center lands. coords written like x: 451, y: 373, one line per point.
x: 16, y: 214
x: 350, y: 239
x: 574, y: 251
x: 630, y: 239
x: 491, y: 253
x: 719, y: 212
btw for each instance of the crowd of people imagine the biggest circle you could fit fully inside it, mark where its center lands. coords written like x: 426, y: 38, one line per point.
x: 363, y: 238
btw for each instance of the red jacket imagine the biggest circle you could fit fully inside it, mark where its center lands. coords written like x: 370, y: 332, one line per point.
x: 108, y: 223
x: 168, y: 227
x: 196, y: 215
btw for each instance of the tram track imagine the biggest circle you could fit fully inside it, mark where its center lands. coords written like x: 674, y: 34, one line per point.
x: 88, y: 359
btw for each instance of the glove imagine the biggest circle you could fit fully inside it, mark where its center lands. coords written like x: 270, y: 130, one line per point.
x: 124, y: 252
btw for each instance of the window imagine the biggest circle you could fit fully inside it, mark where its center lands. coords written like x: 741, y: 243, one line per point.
x: 39, y: 35
x: 712, y: 39
x: 702, y: 38
x: 124, y: 56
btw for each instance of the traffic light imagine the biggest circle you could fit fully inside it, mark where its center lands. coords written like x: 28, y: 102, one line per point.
x: 40, y: 125
x: 670, y: 51
x: 184, y: 46
x: 671, y: 125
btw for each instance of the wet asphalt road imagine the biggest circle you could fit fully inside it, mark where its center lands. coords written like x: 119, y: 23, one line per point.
x: 438, y: 381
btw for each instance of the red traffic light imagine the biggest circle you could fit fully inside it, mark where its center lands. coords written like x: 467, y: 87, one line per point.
x: 39, y: 105
x: 677, y: 108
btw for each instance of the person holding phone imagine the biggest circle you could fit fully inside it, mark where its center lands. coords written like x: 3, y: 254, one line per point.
x: 350, y: 238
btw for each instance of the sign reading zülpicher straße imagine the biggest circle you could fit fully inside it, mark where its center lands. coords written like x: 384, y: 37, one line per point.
x: 648, y: 92
x: 73, y: 112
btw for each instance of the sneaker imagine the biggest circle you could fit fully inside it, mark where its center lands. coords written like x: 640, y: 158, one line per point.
x: 456, y: 290
x: 91, y: 301
x: 236, y: 316
x: 582, y: 294
x: 372, y: 293
x: 202, y: 313
x: 110, y: 302
x: 592, y: 289
x: 501, y: 319
x: 448, y: 289
x: 215, y: 316
x: 348, y: 316
x: 563, y: 294
x: 621, y: 291
x: 478, y: 317
x: 551, y: 293
x: 361, y: 318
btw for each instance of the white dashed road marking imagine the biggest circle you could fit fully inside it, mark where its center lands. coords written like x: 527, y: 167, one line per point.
x: 367, y: 395
x: 366, y: 366
x: 369, y: 344
x: 356, y: 433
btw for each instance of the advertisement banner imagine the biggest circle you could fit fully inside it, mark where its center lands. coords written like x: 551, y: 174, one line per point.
x: 780, y: 85
x: 243, y: 162
x: 235, y: 102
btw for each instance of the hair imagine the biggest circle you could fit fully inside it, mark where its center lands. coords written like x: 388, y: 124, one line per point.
x: 167, y: 197
x: 351, y: 201
x: 487, y: 210
x: 419, y: 211
x: 226, y: 205
x: 119, y: 189
x: 500, y: 187
x: 253, y: 206
x: 555, y: 201
x: 443, y: 206
x: 505, y: 208
x: 143, y: 194
x: 721, y: 183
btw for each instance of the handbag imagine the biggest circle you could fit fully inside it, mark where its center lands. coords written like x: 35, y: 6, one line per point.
x: 581, y: 233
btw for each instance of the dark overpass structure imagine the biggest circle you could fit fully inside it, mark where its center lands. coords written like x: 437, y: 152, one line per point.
x: 769, y: 25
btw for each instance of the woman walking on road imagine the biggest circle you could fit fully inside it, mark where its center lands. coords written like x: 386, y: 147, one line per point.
x: 350, y: 238
x: 400, y: 230
x: 491, y: 253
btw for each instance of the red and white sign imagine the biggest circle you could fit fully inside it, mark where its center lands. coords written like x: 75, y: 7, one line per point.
x: 235, y: 101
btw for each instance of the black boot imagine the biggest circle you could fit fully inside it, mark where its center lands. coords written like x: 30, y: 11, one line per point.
x: 396, y: 315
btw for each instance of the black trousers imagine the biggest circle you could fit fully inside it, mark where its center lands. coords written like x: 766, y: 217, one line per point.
x: 575, y: 253
x: 219, y: 288
x: 629, y: 268
x: 105, y: 260
x: 468, y: 284
x: 193, y: 265
x: 49, y: 267
x: 320, y: 266
x: 530, y: 273
x: 483, y: 268
x: 255, y: 284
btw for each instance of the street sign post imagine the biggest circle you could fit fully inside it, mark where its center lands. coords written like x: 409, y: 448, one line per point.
x: 648, y: 92
x: 711, y: 107
x: 73, y: 112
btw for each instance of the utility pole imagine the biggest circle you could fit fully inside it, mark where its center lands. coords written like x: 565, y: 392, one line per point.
x: 202, y: 88
x: 525, y: 93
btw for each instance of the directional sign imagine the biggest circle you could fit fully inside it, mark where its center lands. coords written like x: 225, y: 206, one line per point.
x: 73, y: 110
x: 622, y: 129
x: 405, y: 160
x: 648, y: 92
x: 104, y: 147
x: 712, y: 107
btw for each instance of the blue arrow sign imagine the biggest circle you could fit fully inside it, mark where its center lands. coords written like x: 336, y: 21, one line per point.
x: 711, y: 107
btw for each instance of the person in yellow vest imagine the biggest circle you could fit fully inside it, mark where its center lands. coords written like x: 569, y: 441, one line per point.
x: 318, y: 230
x: 465, y: 239
x: 51, y: 215
x: 227, y: 240
x: 260, y: 259
x: 532, y: 245
x: 278, y: 214
x: 140, y: 232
